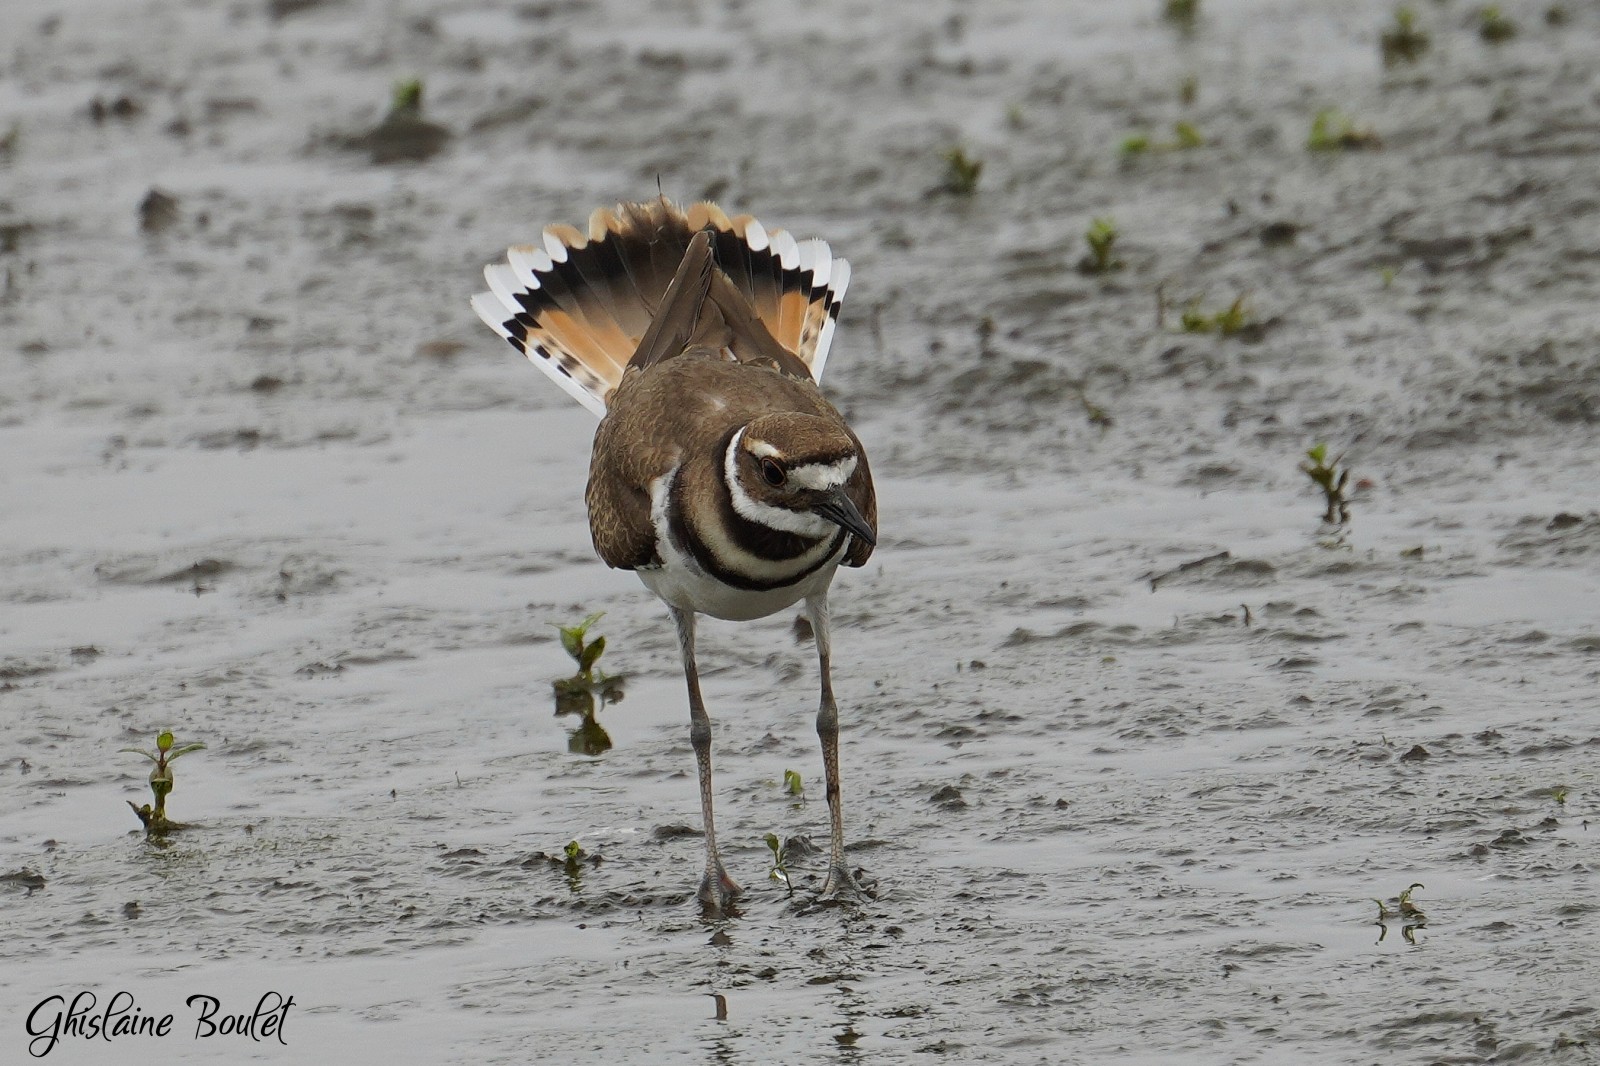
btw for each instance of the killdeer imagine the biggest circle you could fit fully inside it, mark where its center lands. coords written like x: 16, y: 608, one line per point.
x: 719, y: 474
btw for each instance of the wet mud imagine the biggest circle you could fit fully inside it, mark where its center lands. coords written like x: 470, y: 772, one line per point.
x: 1139, y: 752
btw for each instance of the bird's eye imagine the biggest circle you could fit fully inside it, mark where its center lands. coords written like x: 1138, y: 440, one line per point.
x: 773, y: 473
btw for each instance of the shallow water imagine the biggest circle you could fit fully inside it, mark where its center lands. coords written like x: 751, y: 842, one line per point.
x: 271, y: 485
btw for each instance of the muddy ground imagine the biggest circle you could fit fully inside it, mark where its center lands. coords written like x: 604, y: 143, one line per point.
x: 267, y: 482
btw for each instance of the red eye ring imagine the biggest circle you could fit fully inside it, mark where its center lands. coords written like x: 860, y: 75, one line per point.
x: 773, y: 473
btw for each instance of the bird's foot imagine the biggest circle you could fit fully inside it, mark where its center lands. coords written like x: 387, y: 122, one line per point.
x: 717, y: 893
x: 842, y: 886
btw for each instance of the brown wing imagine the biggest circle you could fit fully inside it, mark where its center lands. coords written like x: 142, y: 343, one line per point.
x: 627, y: 457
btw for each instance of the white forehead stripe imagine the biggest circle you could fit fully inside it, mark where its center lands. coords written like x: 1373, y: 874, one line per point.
x: 760, y: 448
x: 824, y: 475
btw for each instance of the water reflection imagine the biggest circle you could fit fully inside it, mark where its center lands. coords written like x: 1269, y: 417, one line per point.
x: 585, y: 699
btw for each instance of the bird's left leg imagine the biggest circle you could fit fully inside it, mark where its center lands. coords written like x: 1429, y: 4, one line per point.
x: 839, y: 877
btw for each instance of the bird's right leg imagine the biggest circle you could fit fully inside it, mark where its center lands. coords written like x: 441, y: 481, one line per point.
x: 717, y: 889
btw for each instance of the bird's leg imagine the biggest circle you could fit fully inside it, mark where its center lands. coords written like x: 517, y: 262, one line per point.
x: 717, y: 889
x: 839, y: 878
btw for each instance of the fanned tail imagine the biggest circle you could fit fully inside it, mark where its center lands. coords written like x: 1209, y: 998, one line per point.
x: 579, y: 304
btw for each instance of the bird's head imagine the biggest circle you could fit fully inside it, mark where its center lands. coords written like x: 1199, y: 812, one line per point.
x: 798, y: 473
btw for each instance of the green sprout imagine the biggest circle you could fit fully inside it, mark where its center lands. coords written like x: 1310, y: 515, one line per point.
x: 1186, y: 135
x: 1226, y: 322
x: 1559, y: 794
x: 1403, y: 42
x: 1334, y: 131
x: 1494, y: 27
x: 584, y: 654
x: 407, y: 98
x: 780, y: 861
x: 1401, y: 906
x: 403, y: 136
x: 588, y: 689
x: 162, y: 782
x: 792, y: 783
x: 1101, y: 237
x: 1328, y: 476
x: 961, y: 172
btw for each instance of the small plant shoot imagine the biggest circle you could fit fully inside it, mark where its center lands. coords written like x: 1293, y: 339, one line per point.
x: 588, y: 689
x: 1403, y: 42
x: 793, y: 785
x: 1101, y: 238
x: 1332, y: 479
x: 1494, y: 27
x: 1334, y: 131
x: 961, y: 173
x: 162, y: 782
x: 1185, y: 136
x: 1225, y: 322
x: 1401, y: 908
x: 407, y: 98
x: 780, y: 861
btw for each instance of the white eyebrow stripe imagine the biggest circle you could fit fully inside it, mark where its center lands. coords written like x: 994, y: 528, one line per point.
x: 824, y: 475
x: 800, y: 522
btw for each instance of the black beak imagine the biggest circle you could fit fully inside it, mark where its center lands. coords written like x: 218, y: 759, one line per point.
x: 838, y: 509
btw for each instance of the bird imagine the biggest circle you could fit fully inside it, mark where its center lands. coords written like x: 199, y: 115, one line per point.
x: 719, y: 473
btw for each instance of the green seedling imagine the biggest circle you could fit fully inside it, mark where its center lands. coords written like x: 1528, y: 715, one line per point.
x: 961, y: 172
x: 162, y: 783
x: 1328, y: 476
x: 1494, y: 27
x: 1101, y: 238
x: 588, y: 689
x: 1559, y: 794
x: 780, y: 861
x: 403, y: 136
x: 1226, y: 322
x: 572, y: 862
x: 1186, y: 135
x: 584, y: 653
x: 407, y: 98
x: 1334, y: 131
x: 1403, y: 42
x: 793, y: 785
x: 1401, y: 906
